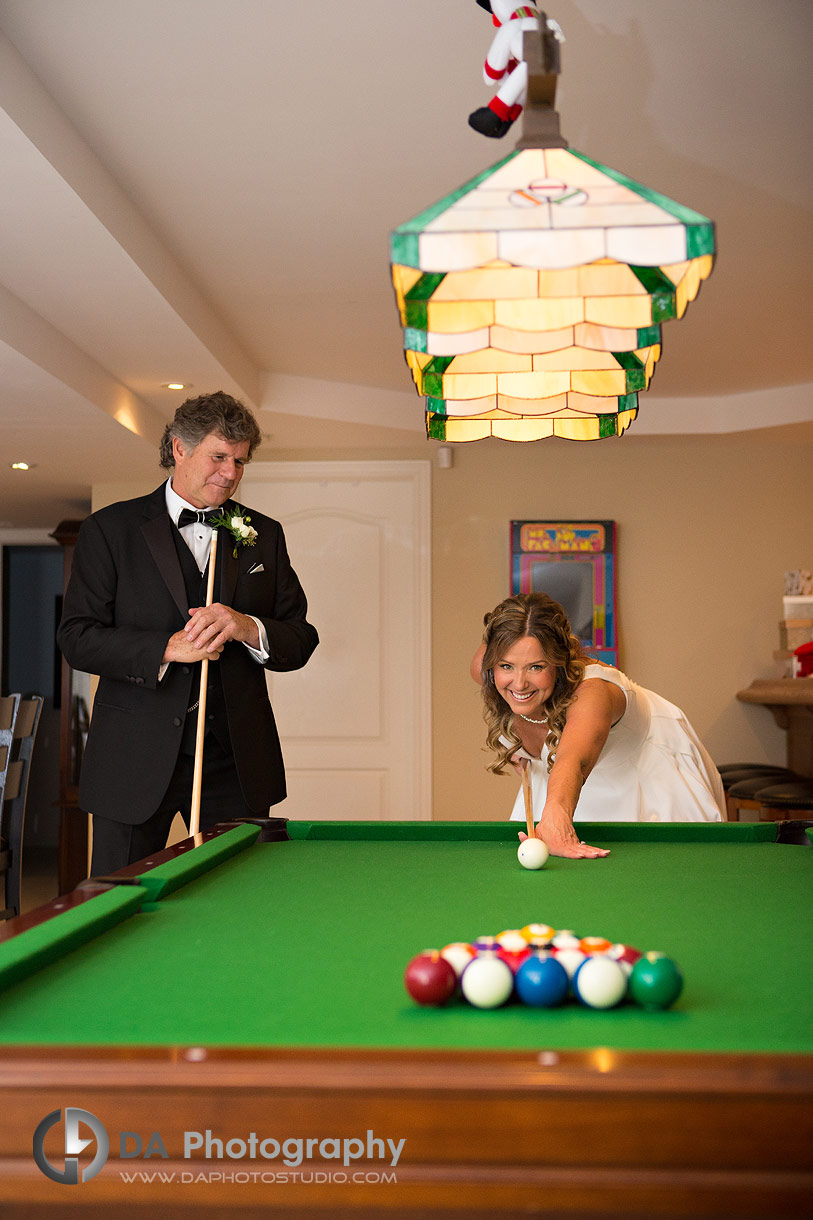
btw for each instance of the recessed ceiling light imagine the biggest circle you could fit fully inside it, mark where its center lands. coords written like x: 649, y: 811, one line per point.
x: 22, y: 465
x: 175, y: 385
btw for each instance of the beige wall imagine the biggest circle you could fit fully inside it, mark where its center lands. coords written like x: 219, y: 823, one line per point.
x: 706, y: 528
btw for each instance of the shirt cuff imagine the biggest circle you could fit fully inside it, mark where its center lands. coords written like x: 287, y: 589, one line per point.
x: 262, y: 653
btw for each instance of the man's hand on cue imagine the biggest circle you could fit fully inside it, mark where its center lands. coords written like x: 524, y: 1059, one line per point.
x: 180, y: 649
x: 210, y: 627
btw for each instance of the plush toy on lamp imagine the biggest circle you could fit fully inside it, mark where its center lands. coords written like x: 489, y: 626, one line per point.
x: 505, y: 63
x: 803, y: 661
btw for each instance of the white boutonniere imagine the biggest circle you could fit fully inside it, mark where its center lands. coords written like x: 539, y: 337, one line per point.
x: 237, y: 522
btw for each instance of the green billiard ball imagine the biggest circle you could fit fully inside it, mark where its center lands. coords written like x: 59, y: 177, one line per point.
x: 656, y: 981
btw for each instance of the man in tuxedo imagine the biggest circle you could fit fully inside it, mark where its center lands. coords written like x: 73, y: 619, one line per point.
x: 135, y: 614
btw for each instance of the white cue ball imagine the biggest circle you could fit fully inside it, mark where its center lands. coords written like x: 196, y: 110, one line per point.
x: 487, y: 981
x: 532, y: 853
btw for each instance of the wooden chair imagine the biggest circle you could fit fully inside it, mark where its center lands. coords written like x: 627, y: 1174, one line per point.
x: 9, y: 706
x: 12, y: 808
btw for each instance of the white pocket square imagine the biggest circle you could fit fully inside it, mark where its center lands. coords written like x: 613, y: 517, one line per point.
x: 258, y: 567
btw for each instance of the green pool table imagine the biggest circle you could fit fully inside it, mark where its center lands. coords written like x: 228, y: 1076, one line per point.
x: 250, y: 981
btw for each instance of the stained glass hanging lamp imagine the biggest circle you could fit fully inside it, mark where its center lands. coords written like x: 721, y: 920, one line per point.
x: 532, y: 297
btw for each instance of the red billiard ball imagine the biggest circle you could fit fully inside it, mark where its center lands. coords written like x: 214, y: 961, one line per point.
x: 514, y: 959
x: 429, y: 978
x: 625, y: 955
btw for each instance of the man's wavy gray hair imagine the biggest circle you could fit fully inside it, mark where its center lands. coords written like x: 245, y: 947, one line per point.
x: 196, y: 418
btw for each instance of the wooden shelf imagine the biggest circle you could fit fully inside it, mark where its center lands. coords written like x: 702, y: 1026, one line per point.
x: 791, y: 702
x: 779, y: 691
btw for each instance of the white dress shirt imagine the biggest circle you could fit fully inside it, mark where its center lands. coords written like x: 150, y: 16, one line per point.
x: 198, y: 538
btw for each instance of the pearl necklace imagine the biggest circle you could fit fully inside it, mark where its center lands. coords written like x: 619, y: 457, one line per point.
x: 530, y: 721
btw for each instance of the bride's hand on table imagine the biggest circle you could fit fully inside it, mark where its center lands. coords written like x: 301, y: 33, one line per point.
x: 559, y: 834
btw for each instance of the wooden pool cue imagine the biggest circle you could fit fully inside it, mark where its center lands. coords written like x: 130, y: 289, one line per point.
x: 529, y: 803
x: 197, y: 777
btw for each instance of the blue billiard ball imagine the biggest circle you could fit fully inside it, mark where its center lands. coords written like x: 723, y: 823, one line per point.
x: 541, y: 981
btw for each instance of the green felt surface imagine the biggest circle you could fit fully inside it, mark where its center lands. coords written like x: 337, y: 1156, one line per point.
x: 45, y: 944
x: 168, y: 877
x: 305, y: 942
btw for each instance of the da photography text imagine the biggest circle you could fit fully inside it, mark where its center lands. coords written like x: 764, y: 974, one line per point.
x: 84, y: 1131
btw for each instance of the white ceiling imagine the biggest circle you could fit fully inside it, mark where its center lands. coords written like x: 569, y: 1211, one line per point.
x: 203, y: 190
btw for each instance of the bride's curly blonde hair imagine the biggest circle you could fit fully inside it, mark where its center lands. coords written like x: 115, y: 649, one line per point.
x: 539, y: 616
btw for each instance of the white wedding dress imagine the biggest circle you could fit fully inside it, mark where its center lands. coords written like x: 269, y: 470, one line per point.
x: 653, y: 767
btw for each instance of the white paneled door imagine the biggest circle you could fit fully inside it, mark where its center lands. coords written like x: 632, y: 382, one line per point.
x: 355, y: 722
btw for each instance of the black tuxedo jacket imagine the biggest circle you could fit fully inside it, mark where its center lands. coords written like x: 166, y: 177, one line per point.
x: 125, y: 598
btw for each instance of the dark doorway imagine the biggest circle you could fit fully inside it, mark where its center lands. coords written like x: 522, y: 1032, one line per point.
x: 32, y: 602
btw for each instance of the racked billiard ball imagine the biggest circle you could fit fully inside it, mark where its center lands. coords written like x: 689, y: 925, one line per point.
x: 514, y: 959
x: 512, y: 940
x: 594, y: 944
x: 656, y: 981
x: 541, y: 981
x: 429, y: 978
x: 566, y: 939
x: 571, y: 959
x: 540, y: 942
x: 486, y: 944
x: 599, y: 982
x: 625, y: 955
x: 458, y: 954
x: 540, y: 932
x: 487, y: 982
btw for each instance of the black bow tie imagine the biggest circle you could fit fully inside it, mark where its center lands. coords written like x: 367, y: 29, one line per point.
x: 200, y: 516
